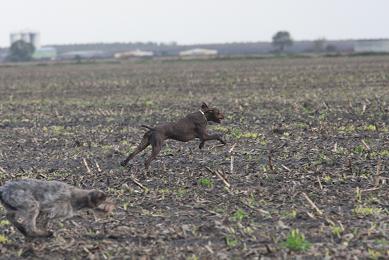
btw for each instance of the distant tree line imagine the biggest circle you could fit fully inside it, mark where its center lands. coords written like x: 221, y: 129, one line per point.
x: 281, y: 42
x: 234, y: 48
x: 21, y: 51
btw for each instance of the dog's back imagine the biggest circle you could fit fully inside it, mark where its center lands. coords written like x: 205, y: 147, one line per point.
x: 15, y: 193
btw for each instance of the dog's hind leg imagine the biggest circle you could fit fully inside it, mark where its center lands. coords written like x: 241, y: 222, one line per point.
x: 157, y: 145
x: 143, y: 144
x: 42, y: 221
x: 29, y: 222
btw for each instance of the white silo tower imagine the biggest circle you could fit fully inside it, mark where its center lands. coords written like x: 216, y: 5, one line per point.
x: 15, y: 37
x: 35, y: 39
x: 26, y: 36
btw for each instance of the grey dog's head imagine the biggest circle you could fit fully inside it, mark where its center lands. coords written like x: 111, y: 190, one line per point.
x: 95, y: 198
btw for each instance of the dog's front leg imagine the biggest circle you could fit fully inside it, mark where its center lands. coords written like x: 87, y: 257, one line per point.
x: 207, y: 137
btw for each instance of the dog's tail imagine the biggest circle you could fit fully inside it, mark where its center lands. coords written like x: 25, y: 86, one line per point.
x: 148, y: 127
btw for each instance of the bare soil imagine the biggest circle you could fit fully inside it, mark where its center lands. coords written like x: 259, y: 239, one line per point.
x: 308, y: 149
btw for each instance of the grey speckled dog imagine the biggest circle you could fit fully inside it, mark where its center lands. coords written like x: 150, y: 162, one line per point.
x: 30, y: 203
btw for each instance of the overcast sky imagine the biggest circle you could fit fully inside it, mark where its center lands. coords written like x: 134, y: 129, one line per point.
x: 192, y: 21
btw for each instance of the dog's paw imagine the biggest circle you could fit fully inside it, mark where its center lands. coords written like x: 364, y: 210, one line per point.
x: 106, y: 207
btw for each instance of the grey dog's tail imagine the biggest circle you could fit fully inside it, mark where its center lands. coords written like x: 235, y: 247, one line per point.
x: 148, y: 127
x: 1, y: 196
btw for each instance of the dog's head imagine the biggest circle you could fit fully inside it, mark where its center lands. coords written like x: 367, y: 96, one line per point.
x: 212, y: 114
x: 95, y: 198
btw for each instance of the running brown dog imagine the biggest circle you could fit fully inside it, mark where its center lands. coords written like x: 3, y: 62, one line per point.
x: 188, y: 128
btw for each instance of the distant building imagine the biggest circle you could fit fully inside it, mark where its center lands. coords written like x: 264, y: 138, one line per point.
x: 45, y: 53
x: 71, y: 55
x: 198, y: 53
x: 27, y: 36
x: 134, y: 54
x: 371, y: 46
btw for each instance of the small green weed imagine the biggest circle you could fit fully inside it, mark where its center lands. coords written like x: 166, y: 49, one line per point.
x: 383, y: 154
x: 3, y: 239
x: 301, y: 125
x: 359, y: 149
x: 374, y: 254
x: 249, y: 135
x: 366, y: 211
x: 239, y: 215
x: 370, y: 128
x: 290, y: 214
x: 220, y: 129
x: 296, y: 241
x: 205, y: 182
x: 181, y: 192
x: 148, y: 103
x: 327, y: 179
x: 347, y: 129
x: 58, y: 129
x: 336, y: 230
x: 4, y: 222
x: 231, y: 242
x: 193, y: 257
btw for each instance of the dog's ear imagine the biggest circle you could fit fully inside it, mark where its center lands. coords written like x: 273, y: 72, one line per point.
x: 204, y: 106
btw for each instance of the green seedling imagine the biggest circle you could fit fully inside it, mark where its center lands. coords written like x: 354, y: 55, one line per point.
x: 3, y: 239
x: 205, y: 182
x: 296, y: 241
x: 239, y: 215
x: 323, y: 116
x: 148, y: 103
x: 181, y: 192
x: 374, y: 254
x: 366, y: 211
x: 290, y: 214
x: 57, y: 129
x: 231, y: 242
x: 220, y: 129
x: 301, y: 125
x: 193, y: 257
x: 359, y: 149
x: 249, y: 135
x: 4, y: 222
x: 370, y: 128
x: 125, y: 205
x: 327, y: 179
x: 382, y: 153
x: 347, y: 129
x: 337, y: 230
